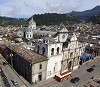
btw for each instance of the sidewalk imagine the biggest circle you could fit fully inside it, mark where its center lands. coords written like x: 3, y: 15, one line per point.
x: 46, y: 83
x: 0, y: 81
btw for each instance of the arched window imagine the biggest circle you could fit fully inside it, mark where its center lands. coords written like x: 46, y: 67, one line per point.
x: 57, y: 50
x: 30, y: 35
x: 43, y: 50
x: 75, y: 50
x: 27, y: 35
x: 71, y: 54
x: 52, y: 51
x: 43, y: 41
x: 38, y: 49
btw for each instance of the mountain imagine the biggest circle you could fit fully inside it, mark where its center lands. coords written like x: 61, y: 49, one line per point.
x: 95, y: 19
x: 53, y: 19
x: 40, y: 19
x: 5, y: 21
x: 86, y: 15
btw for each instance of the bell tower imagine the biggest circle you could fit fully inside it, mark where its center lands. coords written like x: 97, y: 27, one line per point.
x: 62, y: 33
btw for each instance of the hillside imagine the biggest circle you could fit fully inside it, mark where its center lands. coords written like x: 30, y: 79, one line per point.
x: 86, y: 15
x: 42, y: 19
x: 95, y: 19
x: 53, y: 19
x: 5, y: 21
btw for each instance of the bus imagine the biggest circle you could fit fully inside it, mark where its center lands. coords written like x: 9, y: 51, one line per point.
x: 63, y: 76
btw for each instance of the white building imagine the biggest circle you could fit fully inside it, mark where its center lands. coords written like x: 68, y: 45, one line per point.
x: 53, y: 51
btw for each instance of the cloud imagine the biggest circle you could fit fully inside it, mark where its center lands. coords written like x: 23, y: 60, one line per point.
x: 55, y: 7
x: 26, y: 8
x: 61, y: 7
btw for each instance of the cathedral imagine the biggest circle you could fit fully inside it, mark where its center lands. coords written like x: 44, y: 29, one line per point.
x: 61, y: 49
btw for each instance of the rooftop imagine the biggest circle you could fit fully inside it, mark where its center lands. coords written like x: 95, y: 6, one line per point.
x: 28, y: 55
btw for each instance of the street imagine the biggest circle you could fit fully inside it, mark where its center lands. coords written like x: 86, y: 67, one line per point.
x: 11, y: 74
x: 85, y: 77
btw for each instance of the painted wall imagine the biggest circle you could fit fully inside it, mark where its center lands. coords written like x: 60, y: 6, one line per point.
x: 36, y: 71
x: 54, y: 66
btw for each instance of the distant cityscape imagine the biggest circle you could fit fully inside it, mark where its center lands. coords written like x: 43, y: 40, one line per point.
x: 56, y: 54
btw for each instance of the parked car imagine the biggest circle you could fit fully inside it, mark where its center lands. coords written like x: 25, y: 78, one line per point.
x: 90, y: 69
x: 2, y: 74
x: 6, y: 82
x: 5, y: 63
x: 4, y: 77
x: 74, y: 80
x: 14, y: 81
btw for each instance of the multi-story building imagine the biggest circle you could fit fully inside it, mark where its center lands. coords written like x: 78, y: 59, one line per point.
x: 30, y: 65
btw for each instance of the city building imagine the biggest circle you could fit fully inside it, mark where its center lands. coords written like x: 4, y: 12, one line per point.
x: 30, y: 65
x: 54, y: 54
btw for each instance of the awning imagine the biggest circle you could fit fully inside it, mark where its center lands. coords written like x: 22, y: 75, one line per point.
x: 85, y: 57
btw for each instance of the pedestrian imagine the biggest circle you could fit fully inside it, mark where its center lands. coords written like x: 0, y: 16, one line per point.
x: 92, y: 77
x: 93, y: 66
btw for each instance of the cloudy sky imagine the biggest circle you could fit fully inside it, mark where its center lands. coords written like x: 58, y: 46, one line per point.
x: 26, y: 8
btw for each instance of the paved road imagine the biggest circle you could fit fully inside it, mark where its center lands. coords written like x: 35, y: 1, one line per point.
x: 10, y: 73
x: 85, y: 77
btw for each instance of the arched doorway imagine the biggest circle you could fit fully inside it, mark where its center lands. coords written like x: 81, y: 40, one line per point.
x: 69, y: 65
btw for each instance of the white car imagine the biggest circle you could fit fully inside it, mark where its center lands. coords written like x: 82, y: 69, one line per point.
x: 14, y: 81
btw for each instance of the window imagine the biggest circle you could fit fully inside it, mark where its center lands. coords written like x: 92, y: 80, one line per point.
x: 40, y: 77
x: 64, y: 67
x: 29, y: 66
x: 57, y: 50
x: 75, y: 50
x: 26, y: 75
x: 40, y: 67
x: 54, y: 69
x: 49, y: 73
x: 27, y: 35
x: 43, y: 41
x: 43, y: 50
x: 52, y: 51
x: 38, y: 49
x: 22, y: 61
x: 71, y: 54
x: 18, y: 58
